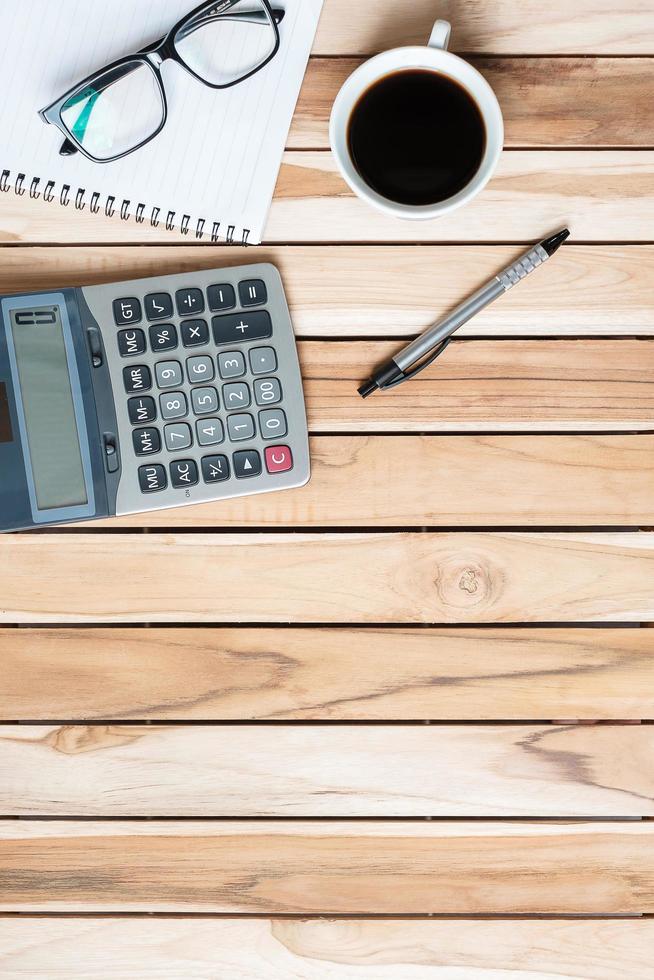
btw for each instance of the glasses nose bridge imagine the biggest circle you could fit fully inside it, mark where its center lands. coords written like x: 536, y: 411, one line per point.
x: 163, y: 51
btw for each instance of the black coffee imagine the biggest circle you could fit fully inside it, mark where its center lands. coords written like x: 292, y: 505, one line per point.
x: 416, y: 137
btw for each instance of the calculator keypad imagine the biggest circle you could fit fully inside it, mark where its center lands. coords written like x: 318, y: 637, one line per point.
x: 227, y: 393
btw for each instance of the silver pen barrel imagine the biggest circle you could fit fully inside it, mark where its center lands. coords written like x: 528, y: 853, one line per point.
x: 502, y: 282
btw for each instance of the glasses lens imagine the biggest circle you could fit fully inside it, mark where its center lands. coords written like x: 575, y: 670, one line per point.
x: 226, y: 41
x: 115, y: 112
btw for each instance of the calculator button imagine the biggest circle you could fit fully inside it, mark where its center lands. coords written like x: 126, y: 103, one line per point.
x: 247, y: 462
x: 152, y: 478
x: 163, y: 337
x: 263, y: 360
x: 183, y: 473
x: 204, y: 400
x: 267, y: 391
x: 209, y: 432
x: 173, y: 405
x: 240, y: 427
x: 272, y: 423
x: 235, y: 396
x: 131, y: 342
x: 189, y: 301
x: 200, y: 369
x: 221, y: 297
x: 231, y: 364
x: 194, y: 333
x: 215, y: 469
x: 146, y: 441
x: 177, y: 436
x: 158, y: 306
x: 137, y: 378
x: 240, y: 327
x: 127, y: 310
x: 252, y: 292
x: 141, y: 410
x: 279, y: 459
x: 168, y: 374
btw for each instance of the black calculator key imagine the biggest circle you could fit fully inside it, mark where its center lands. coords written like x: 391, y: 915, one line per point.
x: 241, y: 327
x: 163, y: 336
x: 221, y: 297
x: 215, y: 469
x: 183, y: 473
x: 247, y: 462
x: 152, y: 478
x: 158, y: 306
x: 137, y: 378
x: 126, y: 311
x: 131, y: 342
x: 146, y: 441
x: 141, y: 410
x: 194, y: 333
x: 252, y: 292
x: 189, y: 301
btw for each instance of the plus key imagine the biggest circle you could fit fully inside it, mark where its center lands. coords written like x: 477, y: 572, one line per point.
x: 235, y: 327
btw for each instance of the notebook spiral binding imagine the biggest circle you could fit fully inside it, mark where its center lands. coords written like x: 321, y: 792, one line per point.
x: 22, y: 185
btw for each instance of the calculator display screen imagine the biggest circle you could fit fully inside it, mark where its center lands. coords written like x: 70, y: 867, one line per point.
x: 48, y: 406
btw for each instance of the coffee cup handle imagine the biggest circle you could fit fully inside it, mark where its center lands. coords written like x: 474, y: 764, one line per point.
x: 440, y: 35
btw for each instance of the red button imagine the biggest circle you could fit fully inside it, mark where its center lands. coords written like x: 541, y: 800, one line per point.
x: 278, y: 459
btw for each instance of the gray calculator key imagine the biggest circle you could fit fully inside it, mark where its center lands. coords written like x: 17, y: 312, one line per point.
x: 204, y: 400
x: 231, y: 364
x: 200, y: 369
x: 173, y: 405
x: 236, y: 396
x: 263, y: 360
x: 240, y: 427
x: 177, y: 436
x: 240, y: 327
x: 169, y: 374
x: 272, y: 423
x: 267, y: 391
x: 209, y: 432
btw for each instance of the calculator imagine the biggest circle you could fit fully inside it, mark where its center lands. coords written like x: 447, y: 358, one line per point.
x: 147, y: 394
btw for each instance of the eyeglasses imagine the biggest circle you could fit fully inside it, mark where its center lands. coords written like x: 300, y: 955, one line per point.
x: 121, y: 107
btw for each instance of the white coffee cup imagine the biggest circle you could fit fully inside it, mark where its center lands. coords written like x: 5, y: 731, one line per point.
x: 437, y: 58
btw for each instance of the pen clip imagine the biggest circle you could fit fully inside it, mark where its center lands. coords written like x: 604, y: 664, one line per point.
x: 431, y: 357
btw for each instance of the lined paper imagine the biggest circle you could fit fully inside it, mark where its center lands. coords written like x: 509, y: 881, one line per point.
x: 216, y: 160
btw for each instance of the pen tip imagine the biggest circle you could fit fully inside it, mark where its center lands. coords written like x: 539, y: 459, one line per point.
x: 555, y: 241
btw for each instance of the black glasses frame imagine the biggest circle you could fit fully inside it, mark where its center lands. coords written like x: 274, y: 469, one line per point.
x: 153, y: 56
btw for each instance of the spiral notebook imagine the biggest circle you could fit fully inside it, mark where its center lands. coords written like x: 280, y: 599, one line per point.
x: 211, y: 171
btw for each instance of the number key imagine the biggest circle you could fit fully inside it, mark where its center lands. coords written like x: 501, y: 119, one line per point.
x: 199, y: 369
x: 178, y: 436
x: 137, y: 378
x: 173, y: 405
x: 168, y: 374
x: 236, y: 395
x: 240, y: 427
x: 204, y: 400
x: 272, y: 423
x: 231, y: 364
x: 267, y: 391
x: 141, y: 410
x: 209, y: 432
x: 131, y: 342
x: 163, y: 336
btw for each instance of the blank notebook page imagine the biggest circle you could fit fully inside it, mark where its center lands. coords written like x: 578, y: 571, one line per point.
x: 215, y: 163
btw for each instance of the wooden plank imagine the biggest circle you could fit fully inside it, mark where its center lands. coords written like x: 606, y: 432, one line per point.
x: 502, y: 27
x: 326, y: 674
x: 195, y: 949
x: 603, y: 196
x: 326, y: 771
x: 332, y: 578
x: 546, y: 102
x: 507, y: 385
x: 368, y: 290
x: 306, y: 868
x: 499, y: 480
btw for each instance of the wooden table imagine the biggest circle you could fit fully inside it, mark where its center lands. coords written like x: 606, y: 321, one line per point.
x: 398, y: 723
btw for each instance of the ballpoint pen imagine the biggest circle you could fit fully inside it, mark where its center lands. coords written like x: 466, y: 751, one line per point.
x: 426, y: 348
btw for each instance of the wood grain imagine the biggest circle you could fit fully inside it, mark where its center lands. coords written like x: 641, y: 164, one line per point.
x: 368, y: 290
x: 277, y: 949
x: 604, y: 197
x: 319, y: 867
x: 508, y: 385
x: 326, y: 674
x: 332, y: 578
x: 500, y: 480
x: 501, y: 27
x: 326, y: 771
x: 546, y: 102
